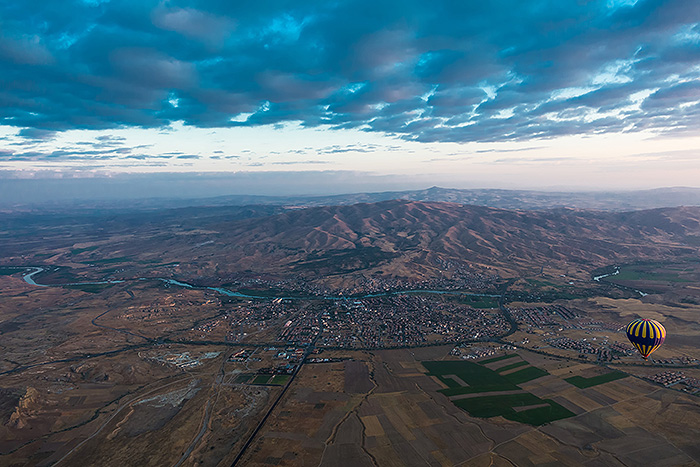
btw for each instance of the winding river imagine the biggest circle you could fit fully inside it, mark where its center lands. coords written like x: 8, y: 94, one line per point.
x: 33, y: 271
x: 29, y: 279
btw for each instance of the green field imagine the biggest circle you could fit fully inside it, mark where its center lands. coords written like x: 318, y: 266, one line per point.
x: 481, y: 379
x: 493, y: 406
x: 525, y: 375
x: 279, y: 380
x: 641, y: 275
x: 511, y: 366
x: 581, y: 382
x: 243, y: 378
x: 503, y: 405
x: 541, y: 415
x: 261, y: 379
x: 495, y: 359
x: 659, y: 272
x: 478, y: 377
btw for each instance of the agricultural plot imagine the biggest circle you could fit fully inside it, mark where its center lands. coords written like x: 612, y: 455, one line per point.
x: 523, y: 408
x: 511, y: 366
x: 582, y: 383
x: 525, y: 375
x: 501, y: 394
x: 263, y: 379
x: 499, y: 358
x: 332, y: 417
x: 279, y: 380
x: 477, y: 377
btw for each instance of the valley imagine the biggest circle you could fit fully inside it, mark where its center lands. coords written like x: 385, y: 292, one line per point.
x: 245, y: 337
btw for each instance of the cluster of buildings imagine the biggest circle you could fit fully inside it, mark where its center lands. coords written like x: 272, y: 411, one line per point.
x: 622, y: 348
x: 284, y: 361
x: 597, y: 325
x: 254, y: 317
x: 582, y: 346
x: 300, y: 329
x: 406, y: 319
x: 240, y: 356
x: 208, y: 326
x: 668, y: 378
x: 679, y: 360
x: 459, y: 279
x: 677, y: 380
x: 539, y: 317
x: 468, y: 352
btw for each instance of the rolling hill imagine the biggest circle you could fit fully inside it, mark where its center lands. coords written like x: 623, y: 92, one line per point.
x: 415, y: 240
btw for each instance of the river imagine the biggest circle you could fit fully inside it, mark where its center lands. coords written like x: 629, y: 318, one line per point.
x: 615, y: 273
x: 33, y: 271
x: 29, y: 279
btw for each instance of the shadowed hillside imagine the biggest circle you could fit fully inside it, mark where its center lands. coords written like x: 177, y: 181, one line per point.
x: 414, y: 239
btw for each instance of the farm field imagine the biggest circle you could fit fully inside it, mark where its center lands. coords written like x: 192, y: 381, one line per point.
x: 486, y: 393
x: 404, y: 411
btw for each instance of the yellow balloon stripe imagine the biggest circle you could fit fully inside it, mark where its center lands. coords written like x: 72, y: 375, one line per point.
x: 636, y: 328
x: 662, y: 331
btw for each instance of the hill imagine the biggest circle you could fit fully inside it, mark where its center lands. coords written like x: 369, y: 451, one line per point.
x: 416, y: 241
x: 343, y: 246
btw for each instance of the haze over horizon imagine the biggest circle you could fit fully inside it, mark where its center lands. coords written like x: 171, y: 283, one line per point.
x: 320, y: 98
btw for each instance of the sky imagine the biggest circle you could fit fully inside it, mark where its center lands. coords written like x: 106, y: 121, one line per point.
x: 333, y: 96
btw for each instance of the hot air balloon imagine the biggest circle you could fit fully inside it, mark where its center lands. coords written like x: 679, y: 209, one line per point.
x: 646, y: 335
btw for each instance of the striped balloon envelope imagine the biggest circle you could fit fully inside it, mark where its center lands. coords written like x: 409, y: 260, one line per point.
x: 646, y: 335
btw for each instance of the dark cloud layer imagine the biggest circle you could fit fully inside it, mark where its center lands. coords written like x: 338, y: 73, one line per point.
x: 427, y: 71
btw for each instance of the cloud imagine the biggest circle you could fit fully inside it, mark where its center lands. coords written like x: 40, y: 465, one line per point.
x: 193, y: 23
x: 36, y: 134
x: 443, y: 71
